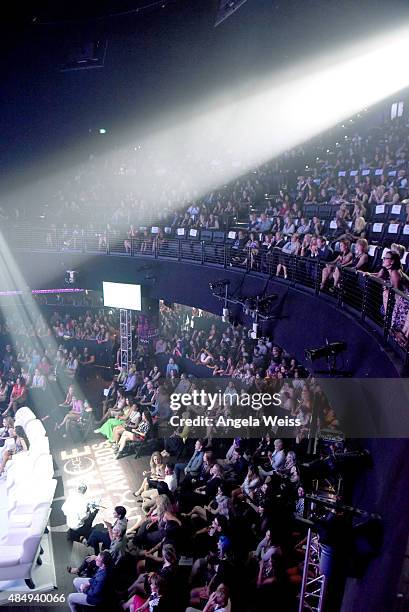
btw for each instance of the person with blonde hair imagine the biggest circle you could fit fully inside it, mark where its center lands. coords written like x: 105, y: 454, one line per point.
x: 360, y: 259
x: 332, y: 269
x: 398, y: 248
x: 154, y: 475
x: 359, y: 226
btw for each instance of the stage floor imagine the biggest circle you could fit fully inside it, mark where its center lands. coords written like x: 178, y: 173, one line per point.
x: 109, y: 480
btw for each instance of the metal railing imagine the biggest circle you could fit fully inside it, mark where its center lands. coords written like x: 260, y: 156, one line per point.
x: 377, y: 305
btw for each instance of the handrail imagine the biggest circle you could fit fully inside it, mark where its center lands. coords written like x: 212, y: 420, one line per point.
x: 369, y: 298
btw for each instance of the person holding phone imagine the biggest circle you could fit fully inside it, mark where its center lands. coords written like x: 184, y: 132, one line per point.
x: 104, y: 537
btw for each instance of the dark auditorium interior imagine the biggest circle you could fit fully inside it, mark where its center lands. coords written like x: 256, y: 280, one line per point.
x: 204, y: 306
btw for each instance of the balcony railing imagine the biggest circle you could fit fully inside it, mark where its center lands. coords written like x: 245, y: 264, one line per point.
x: 377, y: 305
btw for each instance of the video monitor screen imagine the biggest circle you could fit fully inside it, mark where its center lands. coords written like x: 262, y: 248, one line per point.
x: 122, y: 295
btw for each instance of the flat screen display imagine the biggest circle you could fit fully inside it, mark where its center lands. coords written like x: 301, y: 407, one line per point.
x: 122, y: 295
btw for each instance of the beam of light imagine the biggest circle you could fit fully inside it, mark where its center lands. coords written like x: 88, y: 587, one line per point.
x: 195, y: 149
x: 286, y: 110
x: 25, y: 319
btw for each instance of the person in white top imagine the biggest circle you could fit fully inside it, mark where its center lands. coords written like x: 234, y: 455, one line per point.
x: 168, y: 484
x: 38, y: 381
x: 76, y: 509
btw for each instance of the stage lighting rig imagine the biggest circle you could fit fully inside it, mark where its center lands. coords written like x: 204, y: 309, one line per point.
x: 331, y: 349
x: 219, y: 287
x: 71, y: 277
x: 265, y: 304
x: 257, y: 307
x: 329, y: 352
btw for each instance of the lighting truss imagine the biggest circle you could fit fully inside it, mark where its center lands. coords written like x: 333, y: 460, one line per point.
x: 226, y: 9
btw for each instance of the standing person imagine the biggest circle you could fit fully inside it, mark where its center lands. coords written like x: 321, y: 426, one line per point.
x: 92, y: 591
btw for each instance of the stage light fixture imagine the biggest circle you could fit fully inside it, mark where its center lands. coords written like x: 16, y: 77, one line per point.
x: 331, y: 349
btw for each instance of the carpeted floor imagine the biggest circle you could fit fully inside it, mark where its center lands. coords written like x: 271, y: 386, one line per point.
x: 110, y: 482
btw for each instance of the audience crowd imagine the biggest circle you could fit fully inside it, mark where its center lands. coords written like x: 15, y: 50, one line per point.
x: 219, y: 528
x: 321, y: 202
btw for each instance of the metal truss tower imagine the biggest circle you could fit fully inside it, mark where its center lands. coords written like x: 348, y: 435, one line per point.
x: 313, y: 582
x: 125, y: 330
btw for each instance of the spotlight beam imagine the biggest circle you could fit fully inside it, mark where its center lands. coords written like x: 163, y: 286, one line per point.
x: 196, y: 149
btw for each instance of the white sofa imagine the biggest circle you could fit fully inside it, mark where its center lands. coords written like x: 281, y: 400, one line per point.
x: 20, y: 550
x: 34, y: 429
x: 27, y: 464
x: 26, y: 494
x: 23, y: 416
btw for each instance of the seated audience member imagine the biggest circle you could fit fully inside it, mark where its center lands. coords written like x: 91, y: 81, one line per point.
x: 218, y: 601
x: 38, y: 381
x: 220, y: 504
x: 192, y: 467
x: 155, y: 601
x: 172, y: 367
x: 77, y: 408
x: 79, y: 514
x: 89, y: 568
x: 16, y: 442
x: 18, y: 394
x: 211, y: 572
x: 154, y: 475
x: 250, y: 484
x: 239, y: 465
x: 166, y: 486
x: 115, y: 426
x: 266, y: 444
x: 68, y: 398
x: 92, y: 591
x: 174, y: 444
x: 325, y: 253
x: 97, y: 536
x: 276, y: 459
x: 115, y: 407
x: 131, y: 382
x: 136, y: 434
x: 290, y: 471
x: 72, y: 365
x: 4, y: 393
x: 360, y: 259
x: 332, y: 270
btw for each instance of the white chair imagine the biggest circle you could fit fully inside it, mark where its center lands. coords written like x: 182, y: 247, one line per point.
x: 23, y: 416
x: 19, y: 551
